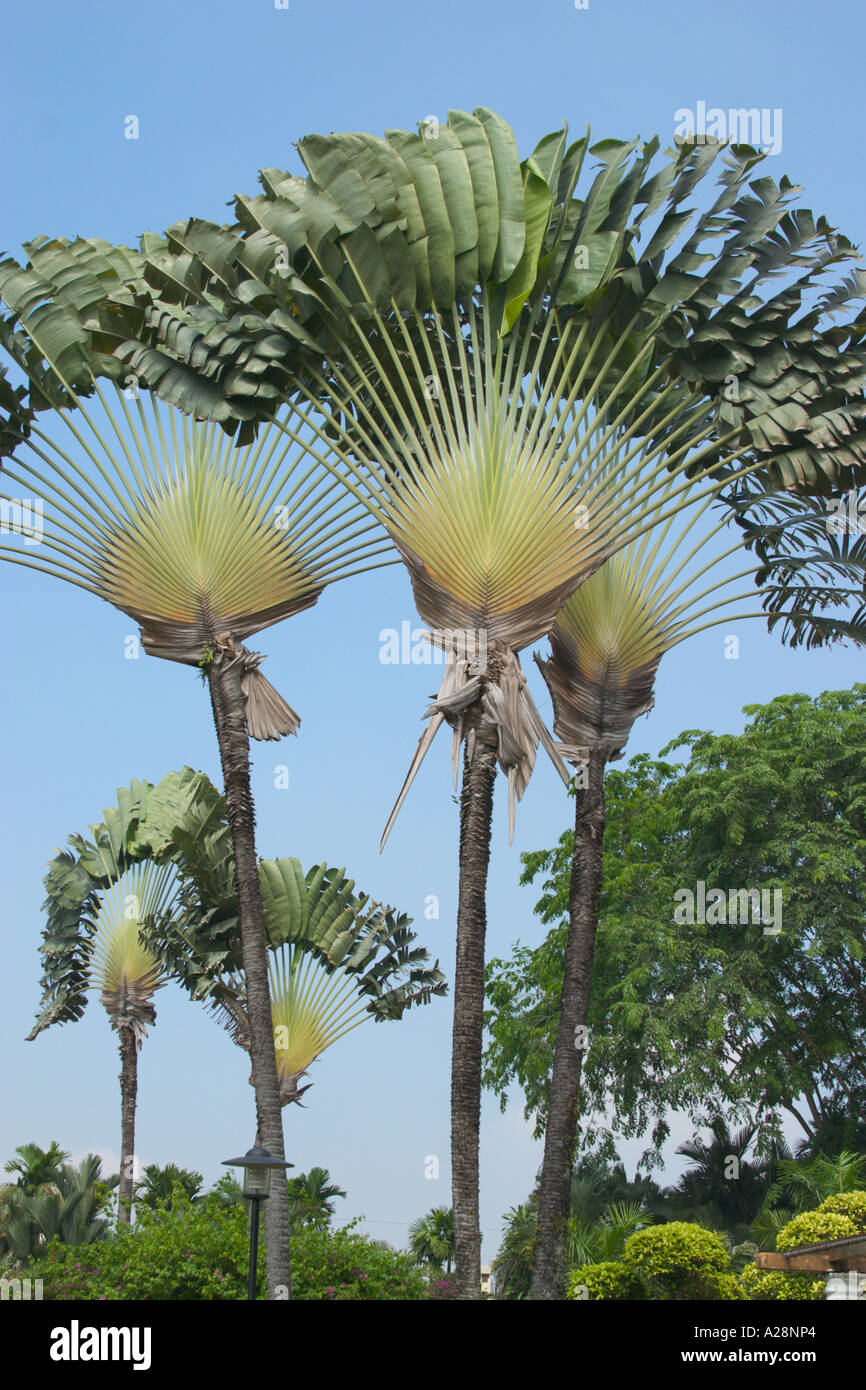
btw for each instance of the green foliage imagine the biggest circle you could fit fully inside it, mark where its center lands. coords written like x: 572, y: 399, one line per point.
x: 311, y: 1199
x: 200, y: 1251
x: 675, y: 1261
x: 608, y: 1280
x: 810, y: 1227
x: 840, y: 1214
x: 512, y: 1268
x: 66, y: 1206
x: 431, y: 1238
x: 602, y: 1239
x: 775, y: 1284
x: 678, y: 1260
x: 705, y: 1017
x: 158, y: 1186
x: 850, y: 1204
x: 36, y: 1167
x: 341, y: 1266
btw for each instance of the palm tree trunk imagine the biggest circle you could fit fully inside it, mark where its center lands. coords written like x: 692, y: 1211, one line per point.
x: 548, y: 1276
x: 476, y: 811
x: 229, y: 718
x: 128, y: 1098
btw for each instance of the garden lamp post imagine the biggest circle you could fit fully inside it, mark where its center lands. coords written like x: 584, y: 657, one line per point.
x: 257, y: 1164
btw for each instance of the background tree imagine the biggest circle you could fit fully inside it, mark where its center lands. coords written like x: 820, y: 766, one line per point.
x: 707, y: 1015
x: 69, y: 1207
x: 157, y: 1184
x: 311, y: 1199
x: 431, y: 1238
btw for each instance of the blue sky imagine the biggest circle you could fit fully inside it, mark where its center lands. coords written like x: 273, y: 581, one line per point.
x: 220, y: 90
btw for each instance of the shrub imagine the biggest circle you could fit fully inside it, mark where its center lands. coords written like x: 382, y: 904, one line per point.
x: 610, y: 1280
x: 678, y: 1260
x: 850, y: 1204
x: 843, y: 1214
x: 341, y: 1266
x: 810, y: 1227
x: 775, y: 1284
x: 200, y: 1252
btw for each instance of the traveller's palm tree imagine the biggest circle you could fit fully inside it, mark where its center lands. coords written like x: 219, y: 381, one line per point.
x: 336, y: 957
x: 607, y: 644
x: 503, y: 377
x: 201, y: 544
x: 98, y: 898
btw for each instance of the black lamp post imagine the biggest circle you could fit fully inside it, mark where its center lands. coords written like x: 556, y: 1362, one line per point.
x: 257, y: 1164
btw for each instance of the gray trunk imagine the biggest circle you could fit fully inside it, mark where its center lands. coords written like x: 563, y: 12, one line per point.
x: 548, y: 1276
x: 228, y: 709
x: 128, y: 1098
x: 476, y: 809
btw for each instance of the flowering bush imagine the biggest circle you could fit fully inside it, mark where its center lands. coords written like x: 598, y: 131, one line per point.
x: 200, y: 1252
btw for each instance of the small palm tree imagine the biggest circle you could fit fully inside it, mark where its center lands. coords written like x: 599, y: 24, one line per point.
x: 336, y: 957
x: 593, y: 1241
x: 311, y: 1199
x: 36, y: 1168
x: 68, y: 1209
x: 512, y: 1267
x: 98, y: 898
x: 736, y: 1189
x: 431, y: 1238
x: 157, y: 1185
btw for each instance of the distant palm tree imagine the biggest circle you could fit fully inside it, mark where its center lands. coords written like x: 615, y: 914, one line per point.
x: 311, y: 1199
x: 36, y: 1168
x: 68, y: 1209
x: 157, y: 1185
x: 431, y: 1238
x: 98, y: 898
x: 722, y: 1177
x: 593, y: 1241
x: 821, y: 1177
x: 512, y: 1268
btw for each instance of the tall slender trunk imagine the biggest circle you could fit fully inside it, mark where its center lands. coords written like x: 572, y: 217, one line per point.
x: 548, y: 1275
x: 476, y: 811
x: 228, y: 710
x: 128, y: 1098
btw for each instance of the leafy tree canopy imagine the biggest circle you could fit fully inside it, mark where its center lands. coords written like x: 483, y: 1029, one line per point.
x: 745, y: 1017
